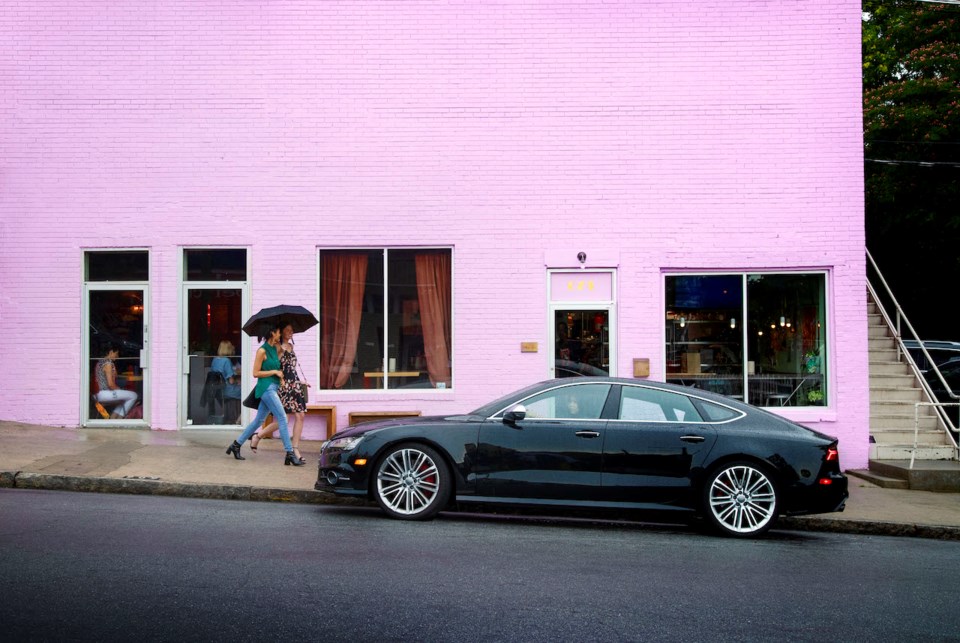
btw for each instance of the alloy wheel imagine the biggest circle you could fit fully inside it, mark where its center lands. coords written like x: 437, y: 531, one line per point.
x: 409, y: 482
x: 742, y: 500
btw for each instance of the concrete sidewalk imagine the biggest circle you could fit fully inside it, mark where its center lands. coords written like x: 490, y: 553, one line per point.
x: 193, y: 464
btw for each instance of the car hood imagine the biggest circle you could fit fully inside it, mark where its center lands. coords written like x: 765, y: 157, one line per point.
x: 379, y: 425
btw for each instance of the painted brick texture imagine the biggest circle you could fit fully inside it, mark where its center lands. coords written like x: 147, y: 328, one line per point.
x: 668, y: 136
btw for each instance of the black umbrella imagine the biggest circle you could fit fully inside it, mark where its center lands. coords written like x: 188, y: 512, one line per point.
x: 297, y: 316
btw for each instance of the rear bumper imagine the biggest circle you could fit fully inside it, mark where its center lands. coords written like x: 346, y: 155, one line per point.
x: 820, y: 498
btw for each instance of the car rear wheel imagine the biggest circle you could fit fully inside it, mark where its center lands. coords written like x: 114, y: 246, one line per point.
x: 740, y: 500
x: 412, y: 482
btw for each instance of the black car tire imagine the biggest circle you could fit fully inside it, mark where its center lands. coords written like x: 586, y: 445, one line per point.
x: 740, y: 500
x: 411, y: 482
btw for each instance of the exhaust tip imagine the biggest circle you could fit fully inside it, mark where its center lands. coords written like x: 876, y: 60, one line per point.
x: 332, y: 478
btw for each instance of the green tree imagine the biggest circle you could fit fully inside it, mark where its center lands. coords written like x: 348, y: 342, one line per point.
x: 911, y: 104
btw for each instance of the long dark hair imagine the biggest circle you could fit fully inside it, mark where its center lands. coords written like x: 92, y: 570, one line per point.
x: 265, y: 329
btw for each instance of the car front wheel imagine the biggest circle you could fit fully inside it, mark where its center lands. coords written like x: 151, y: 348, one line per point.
x: 740, y: 500
x: 412, y: 482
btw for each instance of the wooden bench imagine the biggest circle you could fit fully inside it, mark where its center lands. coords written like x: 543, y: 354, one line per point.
x: 327, y: 410
x: 356, y: 417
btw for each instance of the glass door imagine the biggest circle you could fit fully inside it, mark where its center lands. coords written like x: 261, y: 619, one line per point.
x: 212, y: 355
x: 115, y: 355
x: 581, y: 340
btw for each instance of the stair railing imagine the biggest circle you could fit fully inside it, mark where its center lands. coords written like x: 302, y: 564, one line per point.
x: 896, y: 325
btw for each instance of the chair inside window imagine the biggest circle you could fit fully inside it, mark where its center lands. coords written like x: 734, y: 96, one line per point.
x: 101, y: 407
x: 212, y: 396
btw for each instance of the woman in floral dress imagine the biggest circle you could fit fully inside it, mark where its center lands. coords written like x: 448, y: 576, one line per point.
x: 291, y: 395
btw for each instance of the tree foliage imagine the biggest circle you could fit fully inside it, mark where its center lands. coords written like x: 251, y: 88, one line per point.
x: 911, y: 104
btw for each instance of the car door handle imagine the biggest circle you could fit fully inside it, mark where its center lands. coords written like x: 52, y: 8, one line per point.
x: 692, y: 438
x: 588, y: 434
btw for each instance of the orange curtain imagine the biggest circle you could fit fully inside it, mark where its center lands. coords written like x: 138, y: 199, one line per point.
x: 343, y: 280
x: 433, y: 291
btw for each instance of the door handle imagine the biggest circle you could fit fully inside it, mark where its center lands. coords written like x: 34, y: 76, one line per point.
x: 692, y: 438
x: 588, y: 434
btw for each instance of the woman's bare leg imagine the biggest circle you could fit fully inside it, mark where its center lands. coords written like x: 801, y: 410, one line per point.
x: 297, y: 432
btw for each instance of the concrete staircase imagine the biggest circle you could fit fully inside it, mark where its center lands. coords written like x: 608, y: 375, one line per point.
x: 894, y: 390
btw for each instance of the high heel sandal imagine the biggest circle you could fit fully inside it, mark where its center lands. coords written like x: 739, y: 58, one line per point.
x: 253, y: 447
x: 294, y: 460
x: 235, y: 450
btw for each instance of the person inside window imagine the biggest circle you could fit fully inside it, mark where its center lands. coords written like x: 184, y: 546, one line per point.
x: 230, y: 371
x: 109, y: 392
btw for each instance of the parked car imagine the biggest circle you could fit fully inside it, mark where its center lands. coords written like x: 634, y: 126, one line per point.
x: 568, y: 368
x: 950, y: 370
x: 594, y: 443
x: 939, y: 351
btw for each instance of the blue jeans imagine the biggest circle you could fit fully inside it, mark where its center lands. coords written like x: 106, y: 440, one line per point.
x: 269, y: 403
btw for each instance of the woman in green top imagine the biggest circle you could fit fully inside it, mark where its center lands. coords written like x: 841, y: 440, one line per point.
x: 267, y: 370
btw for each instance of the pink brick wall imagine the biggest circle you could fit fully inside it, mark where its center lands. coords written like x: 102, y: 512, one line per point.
x: 696, y: 135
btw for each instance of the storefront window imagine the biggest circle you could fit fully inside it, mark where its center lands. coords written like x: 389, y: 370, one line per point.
x: 385, y: 319
x: 786, y: 340
x: 705, y: 332
x: 117, y: 266
x: 228, y: 264
x: 783, y: 336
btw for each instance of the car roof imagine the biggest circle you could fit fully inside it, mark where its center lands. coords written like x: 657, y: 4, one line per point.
x: 932, y: 343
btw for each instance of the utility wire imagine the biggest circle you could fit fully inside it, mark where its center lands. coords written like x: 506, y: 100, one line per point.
x: 940, y: 1
x: 920, y: 163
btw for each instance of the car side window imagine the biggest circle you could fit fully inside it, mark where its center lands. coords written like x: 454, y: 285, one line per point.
x: 717, y: 413
x: 640, y: 404
x: 581, y: 401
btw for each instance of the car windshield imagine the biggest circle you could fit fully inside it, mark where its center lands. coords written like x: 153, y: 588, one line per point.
x: 500, y: 403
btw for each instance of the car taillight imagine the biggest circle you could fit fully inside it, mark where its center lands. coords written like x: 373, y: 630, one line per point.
x: 832, y: 455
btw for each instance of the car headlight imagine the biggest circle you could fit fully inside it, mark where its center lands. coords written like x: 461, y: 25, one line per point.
x: 344, y: 444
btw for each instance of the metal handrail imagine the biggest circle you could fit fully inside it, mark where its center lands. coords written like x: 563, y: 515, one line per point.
x: 916, y: 428
x: 944, y: 417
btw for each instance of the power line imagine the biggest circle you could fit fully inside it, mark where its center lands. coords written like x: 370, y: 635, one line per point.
x: 920, y: 163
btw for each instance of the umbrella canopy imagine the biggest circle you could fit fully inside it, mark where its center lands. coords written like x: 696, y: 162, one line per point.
x: 297, y: 316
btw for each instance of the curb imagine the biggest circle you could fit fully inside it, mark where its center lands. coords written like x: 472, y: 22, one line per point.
x: 150, y: 487
x: 871, y: 528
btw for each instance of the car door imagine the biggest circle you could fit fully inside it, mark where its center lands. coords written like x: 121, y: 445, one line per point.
x: 656, y: 440
x: 553, y: 454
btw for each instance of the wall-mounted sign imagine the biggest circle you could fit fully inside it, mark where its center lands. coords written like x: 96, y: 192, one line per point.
x: 581, y: 286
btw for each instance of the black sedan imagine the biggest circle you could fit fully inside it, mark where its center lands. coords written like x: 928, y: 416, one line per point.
x: 595, y: 443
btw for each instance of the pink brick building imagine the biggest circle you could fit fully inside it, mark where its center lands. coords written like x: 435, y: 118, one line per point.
x: 471, y: 196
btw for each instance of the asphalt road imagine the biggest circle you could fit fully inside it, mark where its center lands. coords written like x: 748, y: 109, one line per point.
x: 114, y: 567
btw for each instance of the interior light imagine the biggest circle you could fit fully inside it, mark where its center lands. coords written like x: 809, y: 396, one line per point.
x: 733, y: 322
x: 760, y: 333
x: 783, y: 321
x: 683, y: 322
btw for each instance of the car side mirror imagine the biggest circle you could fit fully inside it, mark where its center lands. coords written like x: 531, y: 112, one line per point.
x: 515, y: 414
